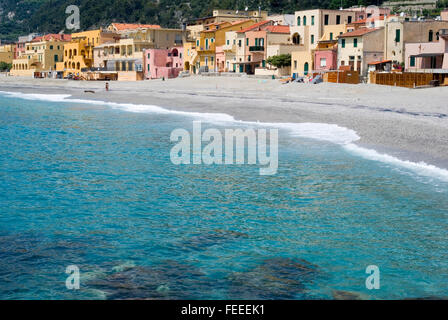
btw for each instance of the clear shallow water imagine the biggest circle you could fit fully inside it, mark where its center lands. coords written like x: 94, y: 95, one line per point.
x: 93, y: 186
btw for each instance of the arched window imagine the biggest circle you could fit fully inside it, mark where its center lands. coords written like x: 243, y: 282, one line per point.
x: 304, y: 20
x: 306, y: 68
x: 431, y: 36
x: 298, y: 21
x: 296, y: 38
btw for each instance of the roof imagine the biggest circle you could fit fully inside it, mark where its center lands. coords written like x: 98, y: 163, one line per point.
x: 53, y: 36
x: 363, y: 21
x: 379, y: 62
x: 130, y: 26
x: 358, y: 32
x: 235, y: 23
x: 254, y: 26
x: 278, y: 29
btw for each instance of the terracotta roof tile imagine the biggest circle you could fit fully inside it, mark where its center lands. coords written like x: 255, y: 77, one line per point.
x: 278, y: 29
x: 131, y: 26
x: 53, y: 36
x: 254, y: 26
x: 358, y: 32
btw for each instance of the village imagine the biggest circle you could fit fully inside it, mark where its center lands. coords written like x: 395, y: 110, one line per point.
x: 353, y: 45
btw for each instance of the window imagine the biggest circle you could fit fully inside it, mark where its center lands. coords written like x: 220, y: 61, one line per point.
x: 56, y: 58
x: 397, y: 35
x: 349, y: 19
x: 412, y: 62
x: 327, y: 17
x: 248, y: 58
x: 343, y: 43
x: 298, y: 21
x: 355, y: 43
x: 247, y: 41
x: 197, y: 43
x: 431, y: 36
x: 304, y: 20
x: 312, y: 39
x: 228, y: 42
x: 295, y: 64
x: 312, y: 20
x: 323, y: 62
x: 51, y: 47
x: 239, y: 43
x: 338, y: 19
x: 331, y: 36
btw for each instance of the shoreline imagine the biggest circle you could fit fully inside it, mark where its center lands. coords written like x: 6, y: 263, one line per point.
x: 411, y: 125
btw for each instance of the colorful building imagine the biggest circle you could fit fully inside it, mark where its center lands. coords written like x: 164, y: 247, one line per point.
x: 222, y: 15
x: 163, y: 63
x: 41, y: 56
x: 401, y: 30
x: 358, y: 48
x: 210, y: 39
x: 78, y: 53
x: 126, y: 56
x: 428, y: 55
x: 326, y: 56
x: 7, y: 53
x: 311, y: 27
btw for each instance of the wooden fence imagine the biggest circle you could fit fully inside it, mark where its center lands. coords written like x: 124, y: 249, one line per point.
x: 405, y: 79
x: 342, y: 76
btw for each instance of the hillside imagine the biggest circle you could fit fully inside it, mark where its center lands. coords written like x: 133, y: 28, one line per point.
x: 24, y: 16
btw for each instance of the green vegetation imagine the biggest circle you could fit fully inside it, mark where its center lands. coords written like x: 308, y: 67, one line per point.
x: 5, y: 66
x: 280, y: 61
x: 48, y: 16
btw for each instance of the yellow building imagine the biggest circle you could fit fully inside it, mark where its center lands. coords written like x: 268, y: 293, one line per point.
x: 6, y: 53
x: 311, y: 27
x: 39, y: 57
x: 78, y: 53
x: 214, y: 36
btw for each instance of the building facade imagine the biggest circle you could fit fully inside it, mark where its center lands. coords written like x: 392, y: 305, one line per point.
x: 358, y: 48
x: 163, y: 63
x: 40, y: 57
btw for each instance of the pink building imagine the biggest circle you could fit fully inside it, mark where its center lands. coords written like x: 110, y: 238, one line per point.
x: 444, y: 15
x: 429, y: 55
x: 220, y: 59
x: 163, y: 63
x: 326, y: 56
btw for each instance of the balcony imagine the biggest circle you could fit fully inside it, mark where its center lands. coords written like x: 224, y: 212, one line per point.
x: 256, y: 48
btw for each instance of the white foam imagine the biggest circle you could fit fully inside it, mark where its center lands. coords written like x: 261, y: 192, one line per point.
x: 319, y: 131
x: 421, y: 168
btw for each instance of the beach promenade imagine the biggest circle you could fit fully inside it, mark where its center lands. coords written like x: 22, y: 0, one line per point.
x: 410, y: 124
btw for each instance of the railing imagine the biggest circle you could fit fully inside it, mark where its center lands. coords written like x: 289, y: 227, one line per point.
x: 256, y: 48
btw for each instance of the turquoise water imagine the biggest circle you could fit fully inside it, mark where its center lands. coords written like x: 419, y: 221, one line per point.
x: 93, y: 186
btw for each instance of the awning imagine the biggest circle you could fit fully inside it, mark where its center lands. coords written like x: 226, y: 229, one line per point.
x: 379, y: 62
x: 423, y: 55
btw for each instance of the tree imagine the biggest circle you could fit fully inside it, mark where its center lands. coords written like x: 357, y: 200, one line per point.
x: 5, y: 66
x: 280, y: 61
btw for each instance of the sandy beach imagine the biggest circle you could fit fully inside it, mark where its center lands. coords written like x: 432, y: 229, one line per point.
x: 410, y: 124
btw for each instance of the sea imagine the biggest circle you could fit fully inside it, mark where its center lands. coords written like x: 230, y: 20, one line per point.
x: 88, y: 191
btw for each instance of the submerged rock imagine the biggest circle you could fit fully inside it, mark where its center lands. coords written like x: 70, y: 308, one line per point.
x: 346, y: 295
x: 168, y: 280
x: 277, y: 278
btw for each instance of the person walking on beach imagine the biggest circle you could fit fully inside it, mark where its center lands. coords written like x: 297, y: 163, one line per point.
x: 107, y: 86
